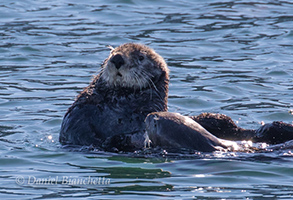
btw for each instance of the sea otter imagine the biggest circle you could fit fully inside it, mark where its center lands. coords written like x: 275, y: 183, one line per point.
x: 110, y: 112
x: 208, y: 132
x: 174, y: 131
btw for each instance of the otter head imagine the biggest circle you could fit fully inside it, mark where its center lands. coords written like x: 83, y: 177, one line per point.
x: 133, y: 66
x: 162, y: 128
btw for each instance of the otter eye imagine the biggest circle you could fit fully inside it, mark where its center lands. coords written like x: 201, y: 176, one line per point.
x: 155, y: 123
x: 141, y: 58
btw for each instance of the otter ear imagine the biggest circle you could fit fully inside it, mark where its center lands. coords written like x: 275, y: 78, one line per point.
x: 110, y: 47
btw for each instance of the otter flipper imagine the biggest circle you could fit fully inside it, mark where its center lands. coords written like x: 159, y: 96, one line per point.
x: 274, y: 133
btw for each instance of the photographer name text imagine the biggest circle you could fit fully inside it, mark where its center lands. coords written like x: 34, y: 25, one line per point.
x: 63, y: 180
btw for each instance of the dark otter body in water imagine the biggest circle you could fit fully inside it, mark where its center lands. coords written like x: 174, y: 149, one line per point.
x: 110, y: 112
x: 223, y: 127
x: 174, y: 131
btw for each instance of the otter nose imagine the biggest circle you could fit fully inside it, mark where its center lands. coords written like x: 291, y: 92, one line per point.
x: 117, y: 60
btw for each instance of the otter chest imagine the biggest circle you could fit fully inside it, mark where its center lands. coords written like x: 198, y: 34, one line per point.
x: 120, y: 118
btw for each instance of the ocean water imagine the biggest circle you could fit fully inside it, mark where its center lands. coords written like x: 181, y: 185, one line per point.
x: 232, y: 57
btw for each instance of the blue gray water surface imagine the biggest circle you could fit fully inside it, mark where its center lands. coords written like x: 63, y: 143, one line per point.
x: 232, y: 57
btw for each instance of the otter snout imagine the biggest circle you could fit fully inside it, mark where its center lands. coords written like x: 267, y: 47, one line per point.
x: 117, y: 60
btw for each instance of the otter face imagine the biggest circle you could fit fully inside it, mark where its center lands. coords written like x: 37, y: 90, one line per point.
x: 133, y: 66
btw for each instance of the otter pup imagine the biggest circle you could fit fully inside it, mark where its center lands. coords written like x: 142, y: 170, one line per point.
x: 174, y: 131
x: 110, y: 112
